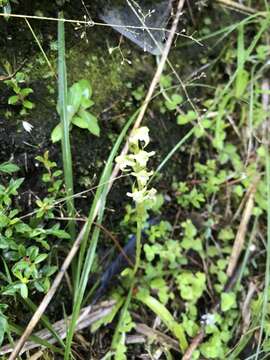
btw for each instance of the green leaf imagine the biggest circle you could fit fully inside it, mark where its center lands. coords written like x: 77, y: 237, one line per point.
x: 191, y: 285
x: 166, y: 81
x: 86, y: 88
x: 56, y: 134
x: 163, y: 313
x: 86, y: 103
x: 186, y: 118
x: 3, y: 327
x: 40, y: 258
x: 173, y: 102
x: 26, y: 91
x: 80, y: 122
x: 226, y: 234
x: 8, y: 167
x: 12, y: 100
x: 228, y: 301
x: 241, y: 83
x: 163, y: 290
x: 28, y: 104
x: 24, y: 291
x: 212, y: 349
x: 74, y: 98
x: 61, y: 234
x: 89, y: 120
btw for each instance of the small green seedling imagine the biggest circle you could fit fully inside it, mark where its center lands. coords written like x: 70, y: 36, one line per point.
x: 79, y: 101
x: 21, y: 93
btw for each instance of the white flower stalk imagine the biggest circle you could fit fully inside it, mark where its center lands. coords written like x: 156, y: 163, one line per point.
x: 136, y: 162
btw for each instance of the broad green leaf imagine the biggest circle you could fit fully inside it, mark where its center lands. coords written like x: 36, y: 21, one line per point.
x: 13, y: 100
x: 26, y: 91
x: 163, y: 313
x: 80, y: 122
x: 8, y: 167
x: 74, y: 97
x: 228, y: 301
x: 165, y: 81
x: 173, y: 102
x: 24, y: 291
x: 242, y: 81
x: 92, y: 122
x: 85, y: 88
x: 56, y: 134
x: 86, y: 103
x: 40, y: 258
x: 28, y: 104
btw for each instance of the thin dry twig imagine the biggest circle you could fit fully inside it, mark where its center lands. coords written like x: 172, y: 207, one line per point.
x: 238, y: 7
x: 241, y: 233
x: 87, y: 317
x: 246, y: 311
x: 48, y: 297
x: 158, y: 336
x: 10, y: 76
x: 193, y: 346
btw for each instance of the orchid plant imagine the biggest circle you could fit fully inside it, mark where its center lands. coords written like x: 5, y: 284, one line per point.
x: 135, y: 163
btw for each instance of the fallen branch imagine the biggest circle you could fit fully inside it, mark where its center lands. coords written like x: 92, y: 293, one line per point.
x: 87, y: 317
x: 193, y: 346
x: 241, y: 233
x: 158, y: 336
x: 233, y: 5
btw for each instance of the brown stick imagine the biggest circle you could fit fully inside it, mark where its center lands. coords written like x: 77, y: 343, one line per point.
x: 193, y: 346
x: 241, y: 233
x: 88, y: 316
x: 237, y: 7
x: 10, y: 76
x: 157, y: 336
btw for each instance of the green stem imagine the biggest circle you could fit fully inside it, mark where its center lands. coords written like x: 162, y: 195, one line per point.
x: 65, y: 141
x: 117, y: 333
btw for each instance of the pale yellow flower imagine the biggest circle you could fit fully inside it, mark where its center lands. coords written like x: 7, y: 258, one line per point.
x: 124, y: 161
x: 142, y: 176
x: 142, y: 157
x: 140, y: 134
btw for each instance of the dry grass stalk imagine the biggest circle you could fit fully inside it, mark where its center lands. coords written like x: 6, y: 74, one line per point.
x: 242, y: 230
x: 88, y: 316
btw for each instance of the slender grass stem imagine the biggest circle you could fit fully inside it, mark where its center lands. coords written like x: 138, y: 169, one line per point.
x: 65, y: 140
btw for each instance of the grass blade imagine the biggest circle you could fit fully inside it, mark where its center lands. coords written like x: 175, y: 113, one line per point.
x: 66, y: 150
